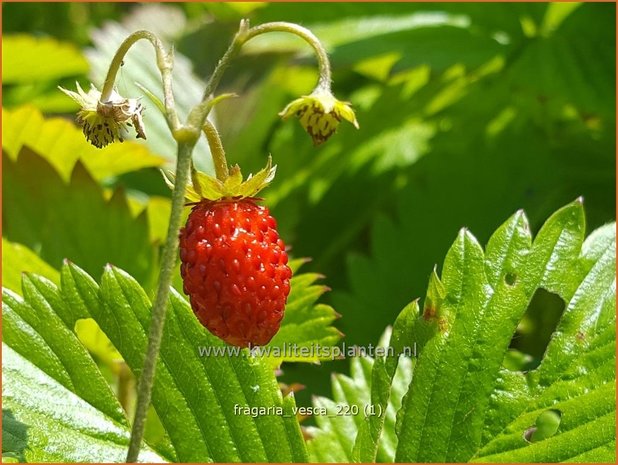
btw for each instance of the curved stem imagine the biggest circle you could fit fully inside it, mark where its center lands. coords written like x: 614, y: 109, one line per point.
x: 305, y: 34
x: 216, y: 149
x: 168, y: 261
x: 198, y: 115
x: 164, y: 63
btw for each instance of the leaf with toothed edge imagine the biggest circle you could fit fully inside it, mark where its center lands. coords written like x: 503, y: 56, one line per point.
x: 59, y: 219
x: 197, y: 396
x: 333, y: 439
x: 306, y: 323
x: 56, y: 404
x: 43, y: 421
x: 462, y: 404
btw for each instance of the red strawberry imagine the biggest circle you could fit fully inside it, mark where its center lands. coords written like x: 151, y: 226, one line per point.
x: 234, y: 269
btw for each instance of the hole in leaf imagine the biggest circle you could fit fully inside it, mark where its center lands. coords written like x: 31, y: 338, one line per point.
x: 545, y: 426
x: 510, y: 279
x: 534, y: 331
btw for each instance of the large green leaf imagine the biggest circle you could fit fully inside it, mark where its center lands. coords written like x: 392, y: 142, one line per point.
x: 75, y: 220
x: 63, y: 144
x: 195, y: 394
x: 56, y: 404
x: 462, y: 404
x: 43, y: 421
x: 39, y: 327
x: 333, y: 440
x: 26, y: 59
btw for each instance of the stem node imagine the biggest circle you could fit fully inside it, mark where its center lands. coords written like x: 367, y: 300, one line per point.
x: 186, y: 135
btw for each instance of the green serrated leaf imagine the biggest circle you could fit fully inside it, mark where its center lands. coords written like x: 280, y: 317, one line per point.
x: 333, y: 440
x: 73, y: 220
x: 195, y: 394
x: 17, y: 259
x: 306, y: 324
x: 62, y: 144
x: 36, y: 327
x: 27, y: 58
x: 462, y: 405
x: 43, y: 421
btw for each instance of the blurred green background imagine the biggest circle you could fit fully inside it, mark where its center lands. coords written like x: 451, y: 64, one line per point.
x: 467, y: 113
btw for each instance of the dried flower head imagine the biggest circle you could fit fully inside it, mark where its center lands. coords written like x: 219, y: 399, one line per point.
x: 105, y: 122
x: 320, y: 113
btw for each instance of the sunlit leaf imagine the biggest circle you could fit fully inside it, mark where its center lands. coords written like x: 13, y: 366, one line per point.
x: 194, y: 394
x: 18, y: 259
x: 43, y: 421
x: 462, y: 404
x: 27, y: 58
x: 61, y: 143
x: 73, y: 220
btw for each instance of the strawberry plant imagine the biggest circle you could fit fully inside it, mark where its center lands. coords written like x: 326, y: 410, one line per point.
x: 161, y: 304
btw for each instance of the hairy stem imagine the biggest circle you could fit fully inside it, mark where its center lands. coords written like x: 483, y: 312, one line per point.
x: 281, y: 26
x: 216, y: 150
x: 198, y: 115
x: 164, y: 63
x: 168, y: 260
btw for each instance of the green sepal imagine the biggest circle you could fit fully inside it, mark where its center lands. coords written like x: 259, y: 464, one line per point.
x: 204, y: 186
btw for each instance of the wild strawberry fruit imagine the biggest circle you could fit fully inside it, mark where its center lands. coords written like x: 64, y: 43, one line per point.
x: 234, y: 269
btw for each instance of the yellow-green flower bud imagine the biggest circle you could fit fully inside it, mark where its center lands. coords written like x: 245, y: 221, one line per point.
x: 320, y: 113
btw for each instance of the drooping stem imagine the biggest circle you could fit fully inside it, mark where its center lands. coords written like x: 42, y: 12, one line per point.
x: 168, y: 261
x: 198, y: 115
x: 324, y: 80
x: 216, y: 149
x: 164, y: 63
